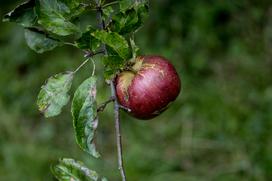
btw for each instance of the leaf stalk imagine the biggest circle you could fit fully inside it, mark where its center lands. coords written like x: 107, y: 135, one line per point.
x: 110, y: 4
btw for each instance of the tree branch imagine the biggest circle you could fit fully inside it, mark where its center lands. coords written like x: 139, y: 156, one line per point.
x: 88, y: 53
x: 118, y: 133
x: 101, y: 24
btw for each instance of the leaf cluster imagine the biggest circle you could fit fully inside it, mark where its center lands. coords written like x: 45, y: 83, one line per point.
x: 51, y: 23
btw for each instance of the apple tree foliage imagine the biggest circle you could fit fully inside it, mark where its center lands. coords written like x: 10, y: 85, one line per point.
x: 51, y: 23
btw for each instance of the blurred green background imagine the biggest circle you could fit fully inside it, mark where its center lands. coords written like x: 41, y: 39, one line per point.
x: 219, y: 128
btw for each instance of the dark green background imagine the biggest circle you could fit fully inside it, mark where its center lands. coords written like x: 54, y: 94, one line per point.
x: 219, y: 128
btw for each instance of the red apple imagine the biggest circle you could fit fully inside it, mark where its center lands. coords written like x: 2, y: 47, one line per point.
x: 149, y: 87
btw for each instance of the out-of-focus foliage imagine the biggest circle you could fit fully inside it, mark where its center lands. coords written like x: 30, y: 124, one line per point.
x: 69, y: 169
x: 218, y: 129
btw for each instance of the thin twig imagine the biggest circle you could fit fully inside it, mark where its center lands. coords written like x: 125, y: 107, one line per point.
x: 102, y: 106
x: 89, y: 53
x: 101, y: 24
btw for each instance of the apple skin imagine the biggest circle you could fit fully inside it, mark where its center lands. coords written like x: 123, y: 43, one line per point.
x: 148, y: 89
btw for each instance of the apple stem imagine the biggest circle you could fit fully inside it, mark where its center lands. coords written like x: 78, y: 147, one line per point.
x: 101, y: 24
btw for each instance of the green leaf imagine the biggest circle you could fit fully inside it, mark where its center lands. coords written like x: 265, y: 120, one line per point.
x: 114, y: 41
x: 126, y: 4
x: 84, y: 112
x: 40, y: 41
x: 56, y: 15
x: 87, y: 41
x: 131, y: 18
x: 24, y: 14
x: 142, y: 10
x: 125, y: 22
x: 75, y: 7
x: 129, y: 4
x: 113, y: 63
x: 54, y: 94
x: 118, y: 51
x: 69, y: 169
x: 108, y: 11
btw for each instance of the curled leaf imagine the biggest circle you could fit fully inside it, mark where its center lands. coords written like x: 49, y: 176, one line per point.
x: 24, y: 14
x: 84, y: 112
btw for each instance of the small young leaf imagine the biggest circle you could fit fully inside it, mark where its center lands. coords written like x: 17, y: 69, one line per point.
x: 76, y: 7
x: 114, y: 41
x: 87, y: 41
x: 143, y: 10
x: 84, y: 112
x: 125, y: 22
x: 54, y: 94
x: 40, y: 41
x: 135, y: 49
x: 55, y: 15
x: 108, y: 11
x: 128, y: 4
x: 69, y: 169
x: 131, y: 18
x: 24, y: 14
